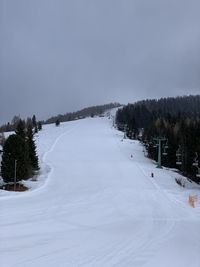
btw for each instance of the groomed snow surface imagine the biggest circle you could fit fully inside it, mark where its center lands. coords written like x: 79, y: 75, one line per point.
x: 96, y: 205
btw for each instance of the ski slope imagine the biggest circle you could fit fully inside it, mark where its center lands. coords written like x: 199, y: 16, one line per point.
x: 95, y: 205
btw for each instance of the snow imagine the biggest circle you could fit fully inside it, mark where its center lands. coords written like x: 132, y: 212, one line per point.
x: 95, y: 205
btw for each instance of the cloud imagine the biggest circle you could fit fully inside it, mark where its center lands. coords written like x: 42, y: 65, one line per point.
x: 58, y: 56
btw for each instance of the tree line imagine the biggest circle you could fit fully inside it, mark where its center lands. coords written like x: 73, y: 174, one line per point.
x: 11, y: 126
x: 83, y: 113
x: 176, y: 121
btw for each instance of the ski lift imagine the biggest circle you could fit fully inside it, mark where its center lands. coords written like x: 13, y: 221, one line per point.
x: 150, y: 145
x: 165, y: 150
x: 179, y: 156
x: 155, y: 145
x: 196, y: 161
x: 198, y: 174
x: 165, y: 153
x: 166, y: 145
x: 196, y: 164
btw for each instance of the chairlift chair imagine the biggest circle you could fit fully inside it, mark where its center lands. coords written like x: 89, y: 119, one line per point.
x: 196, y: 161
x: 195, y: 164
x: 165, y: 150
x: 198, y: 173
x: 179, y: 156
x: 166, y: 146
x: 178, y: 161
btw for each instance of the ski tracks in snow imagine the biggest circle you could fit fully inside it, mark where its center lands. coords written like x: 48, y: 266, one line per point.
x: 44, y: 157
x: 156, y: 236
x: 111, y: 213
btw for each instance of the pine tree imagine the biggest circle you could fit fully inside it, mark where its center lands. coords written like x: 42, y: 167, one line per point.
x: 36, y: 129
x: 32, y: 149
x: 29, y: 121
x: 21, y: 129
x: 39, y: 126
x: 57, y: 122
x: 15, y: 120
x: 34, y: 123
x: 15, y: 148
x: 2, y: 139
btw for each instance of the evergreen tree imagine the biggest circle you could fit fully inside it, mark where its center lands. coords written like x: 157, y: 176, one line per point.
x: 29, y: 121
x: 39, y: 126
x: 15, y: 120
x: 2, y: 139
x: 21, y: 129
x: 32, y: 149
x: 36, y: 129
x: 34, y: 122
x: 15, y: 148
x: 8, y: 127
x: 57, y: 122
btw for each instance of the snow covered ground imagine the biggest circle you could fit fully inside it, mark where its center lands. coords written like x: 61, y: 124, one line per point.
x: 95, y: 205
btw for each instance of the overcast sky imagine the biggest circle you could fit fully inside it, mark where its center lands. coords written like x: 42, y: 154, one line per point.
x: 62, y: 55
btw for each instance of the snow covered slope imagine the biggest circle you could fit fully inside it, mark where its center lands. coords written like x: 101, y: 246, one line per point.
x: 98, y: 207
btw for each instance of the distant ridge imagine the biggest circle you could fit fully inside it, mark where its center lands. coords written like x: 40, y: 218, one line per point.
x: 83, y: 113
x: 86, y: 112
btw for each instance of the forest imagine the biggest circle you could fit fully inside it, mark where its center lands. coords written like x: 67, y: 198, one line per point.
x: 171, y: 123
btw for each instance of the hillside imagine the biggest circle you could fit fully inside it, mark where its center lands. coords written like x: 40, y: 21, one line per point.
x: 96, y: 204
x: 175, y: 121
x: 70, y: 116
x: 83, y: 113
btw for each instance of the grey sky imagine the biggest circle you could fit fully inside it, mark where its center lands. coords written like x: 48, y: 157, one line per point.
x: 61, y: 55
